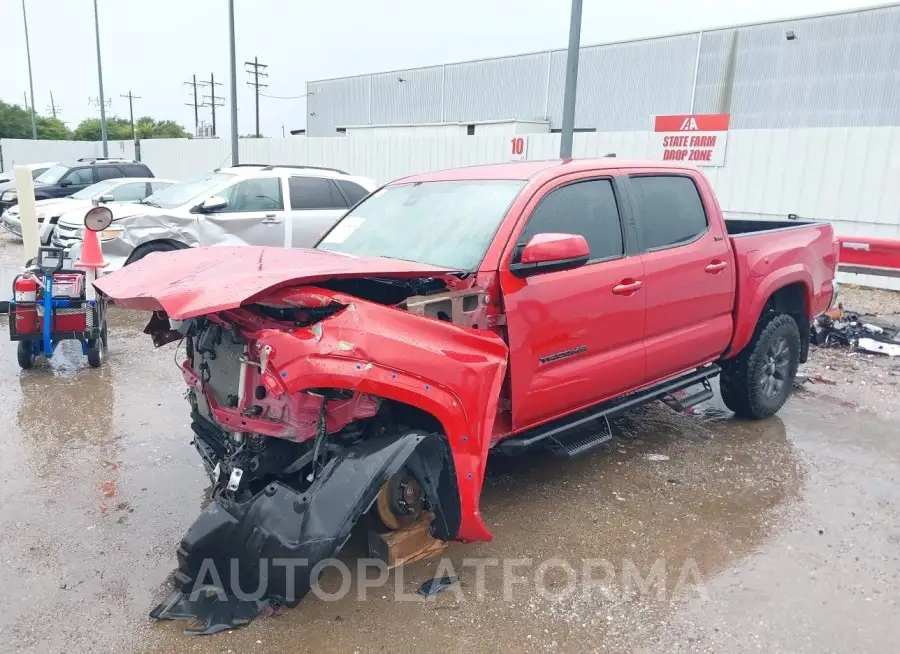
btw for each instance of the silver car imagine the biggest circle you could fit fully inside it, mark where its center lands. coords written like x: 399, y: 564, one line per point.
x: 123, y: 189
x: 250, y: 204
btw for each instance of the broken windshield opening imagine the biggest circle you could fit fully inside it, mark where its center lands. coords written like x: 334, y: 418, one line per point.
x: 446, y: 224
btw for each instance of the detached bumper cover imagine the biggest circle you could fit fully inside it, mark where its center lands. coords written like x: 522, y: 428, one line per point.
x: 239, y: 558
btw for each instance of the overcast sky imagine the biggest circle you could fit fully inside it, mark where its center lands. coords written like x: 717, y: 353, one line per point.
x: 152, y: 47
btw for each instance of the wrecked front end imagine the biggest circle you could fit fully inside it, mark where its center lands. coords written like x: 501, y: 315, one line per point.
x: 305, y: 403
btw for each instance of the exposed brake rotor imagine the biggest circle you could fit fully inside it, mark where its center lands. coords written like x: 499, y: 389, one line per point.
x: 400, y: 501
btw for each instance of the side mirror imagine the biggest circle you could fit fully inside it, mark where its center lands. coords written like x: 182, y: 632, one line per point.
x: 214, y: 203
x: 550, y: 252
x: 106, y: 198
x: 66, y: 182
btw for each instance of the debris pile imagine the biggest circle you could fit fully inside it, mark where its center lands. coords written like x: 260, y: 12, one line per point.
x: 843, y: 328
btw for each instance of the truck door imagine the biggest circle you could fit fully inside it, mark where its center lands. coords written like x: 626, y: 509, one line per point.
x: 575, y: 336
x: 688, y: 271
x: 254, y: 215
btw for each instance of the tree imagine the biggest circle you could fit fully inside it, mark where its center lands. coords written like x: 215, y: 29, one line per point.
x: 52, y: 129
x: 15, y: 122
x: 119, y: 129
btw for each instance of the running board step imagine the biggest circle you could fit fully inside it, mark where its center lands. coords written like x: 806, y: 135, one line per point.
x: 571, y: 429
x: 581, y: 439
x: 683, y: 404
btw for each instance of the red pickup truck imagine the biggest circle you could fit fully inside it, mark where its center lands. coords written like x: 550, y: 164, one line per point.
x: 449, y: 314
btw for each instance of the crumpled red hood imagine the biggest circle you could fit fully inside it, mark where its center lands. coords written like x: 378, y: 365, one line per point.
x: 194, y: 282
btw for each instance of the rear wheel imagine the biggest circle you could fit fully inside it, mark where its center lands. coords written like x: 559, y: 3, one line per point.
x: 25, y: 355
x: 758, y: 382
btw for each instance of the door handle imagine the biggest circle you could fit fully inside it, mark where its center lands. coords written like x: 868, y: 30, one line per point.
x: 627, y: 287
x: 716, y: 267
x: 271, y: 219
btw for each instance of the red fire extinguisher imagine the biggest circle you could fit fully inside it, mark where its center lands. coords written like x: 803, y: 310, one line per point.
x: 25, y: 292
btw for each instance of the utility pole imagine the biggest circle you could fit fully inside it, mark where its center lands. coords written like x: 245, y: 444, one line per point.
x: 195, y: 104
x: 257, y: 70
x: 100, y: 83
x: 568, y: 118
x: 30, y: 82
x: 53, y: 108
x: 131, y: 98
x: 212, y: 100
x: 233, y: 71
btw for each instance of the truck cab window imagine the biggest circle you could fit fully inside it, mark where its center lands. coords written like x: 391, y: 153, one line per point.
x: 669, y: 210
x: 587, y: 208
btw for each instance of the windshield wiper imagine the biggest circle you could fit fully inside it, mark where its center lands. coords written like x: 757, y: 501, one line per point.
x: 150, y: 204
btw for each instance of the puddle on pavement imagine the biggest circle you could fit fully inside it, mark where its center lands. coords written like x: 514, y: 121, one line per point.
x: 709, y: 496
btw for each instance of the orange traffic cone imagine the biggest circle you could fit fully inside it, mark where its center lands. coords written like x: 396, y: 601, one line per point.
x: 91, y: 254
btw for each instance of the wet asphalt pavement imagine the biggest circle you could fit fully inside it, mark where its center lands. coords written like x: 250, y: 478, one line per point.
x: 705, y: 533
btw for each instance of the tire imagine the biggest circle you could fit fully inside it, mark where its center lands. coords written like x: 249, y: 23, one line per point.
x: 25, y: 355
x: 96, y: 350
x: 155, y: 246
x: 757, y: 383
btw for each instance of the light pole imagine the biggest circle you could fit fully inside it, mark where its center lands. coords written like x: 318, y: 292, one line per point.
x: 568, y: 118
x: 234, y: 118
x: 100, y: 81
x: 30, y: 83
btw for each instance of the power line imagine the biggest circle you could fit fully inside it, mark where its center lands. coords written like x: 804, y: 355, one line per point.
x: 285, y: 97
x: 212, y: 100
x: 131, y: 98
x: 195, y: 104
x: 53, y: 108
x: 95, y: 102
x: 257, y: 70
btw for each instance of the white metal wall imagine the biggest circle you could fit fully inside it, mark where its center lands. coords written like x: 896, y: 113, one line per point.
x: 840, y: 70
x: 850, y: 176
x: 23, y: 151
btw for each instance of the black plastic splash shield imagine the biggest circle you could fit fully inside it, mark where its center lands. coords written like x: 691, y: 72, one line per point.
x: 238, y: 558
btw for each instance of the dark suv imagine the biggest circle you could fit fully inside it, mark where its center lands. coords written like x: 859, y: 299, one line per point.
x: 62, y: 179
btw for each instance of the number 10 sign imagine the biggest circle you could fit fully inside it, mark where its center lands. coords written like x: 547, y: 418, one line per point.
x: 517, y: 150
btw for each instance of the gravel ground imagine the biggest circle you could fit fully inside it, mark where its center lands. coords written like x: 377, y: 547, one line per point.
x: 705, y: 533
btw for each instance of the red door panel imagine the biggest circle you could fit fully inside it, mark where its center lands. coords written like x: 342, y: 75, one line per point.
x: 689, y: 287
x: 573, y: 341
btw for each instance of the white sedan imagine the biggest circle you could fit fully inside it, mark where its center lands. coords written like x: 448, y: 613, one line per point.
x: 127, y: 189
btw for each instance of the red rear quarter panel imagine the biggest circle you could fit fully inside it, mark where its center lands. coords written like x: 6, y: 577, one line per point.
x: 769, y: 261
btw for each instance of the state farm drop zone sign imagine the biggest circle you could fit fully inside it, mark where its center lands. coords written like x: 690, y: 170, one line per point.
x: 697, y: 139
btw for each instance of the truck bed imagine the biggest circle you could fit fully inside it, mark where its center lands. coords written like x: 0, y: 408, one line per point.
x: 744, y: 226
x: 770, y: 255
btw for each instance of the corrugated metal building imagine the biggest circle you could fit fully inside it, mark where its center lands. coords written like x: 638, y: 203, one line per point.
x: 838, y: 70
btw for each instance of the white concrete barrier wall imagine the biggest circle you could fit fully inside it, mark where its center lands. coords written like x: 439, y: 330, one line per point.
x: 25, y: 151
x: 850, y: 176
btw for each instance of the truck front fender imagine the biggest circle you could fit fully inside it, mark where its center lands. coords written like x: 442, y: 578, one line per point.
x: 453, y: 373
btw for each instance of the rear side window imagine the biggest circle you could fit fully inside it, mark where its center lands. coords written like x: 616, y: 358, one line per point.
x: 353, y: 191
x: 108, y: 172
x: 79, y: 176
x: 136, y: 170
x: 315, y: 193
x: 669, y: 210
x: 586, y: 208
